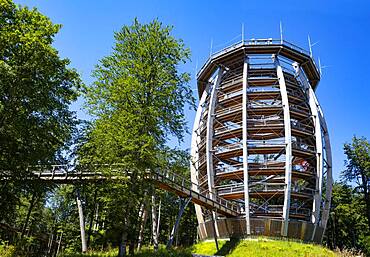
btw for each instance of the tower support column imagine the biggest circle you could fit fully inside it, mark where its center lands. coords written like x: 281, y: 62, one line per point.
x: 209, y: 142
x: 245, y: 145
x: 319, y: 161
x: 288, y: 147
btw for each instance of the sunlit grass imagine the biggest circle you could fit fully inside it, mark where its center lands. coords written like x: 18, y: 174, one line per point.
x: 144, y: 253
x: 258, y: 247
x: 263, y: 247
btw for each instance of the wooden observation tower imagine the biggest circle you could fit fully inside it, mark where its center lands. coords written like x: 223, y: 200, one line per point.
x: 260, y: 140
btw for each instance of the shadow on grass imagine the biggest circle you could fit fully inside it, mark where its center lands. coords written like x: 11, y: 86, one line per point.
x: 228, y: 247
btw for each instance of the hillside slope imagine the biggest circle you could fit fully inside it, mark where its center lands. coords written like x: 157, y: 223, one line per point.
x: 262, y: 247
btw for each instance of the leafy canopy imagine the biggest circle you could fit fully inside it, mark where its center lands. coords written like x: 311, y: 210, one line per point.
x: 36, y: 88
x: 358, y: 161
x: 139, y: 95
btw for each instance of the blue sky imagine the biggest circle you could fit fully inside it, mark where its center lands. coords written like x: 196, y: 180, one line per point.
x: 341, y: 28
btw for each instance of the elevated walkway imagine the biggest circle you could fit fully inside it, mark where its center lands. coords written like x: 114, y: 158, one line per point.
x: 169, y: 181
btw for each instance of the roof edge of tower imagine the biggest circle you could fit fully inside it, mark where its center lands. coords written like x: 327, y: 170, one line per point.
x: 260, y: 46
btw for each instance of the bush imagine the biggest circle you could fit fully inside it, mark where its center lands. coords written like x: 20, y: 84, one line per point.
x: 6, y: 250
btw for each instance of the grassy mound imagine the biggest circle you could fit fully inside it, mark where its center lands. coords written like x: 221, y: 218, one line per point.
x: 262, y: 247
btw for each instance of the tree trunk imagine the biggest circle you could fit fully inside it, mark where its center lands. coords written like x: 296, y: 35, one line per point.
x: 82, y: 222
x: 96, y: 219
x: 32, y: 204
x: 123, y: 239
x: 143, y: 216
x: 154, y: 223
x: 367, y: 201
x: 131, y: 249
x: 91, y: 219
x: 59, y: 243
x: 159, y: 217
x: 122, y: 244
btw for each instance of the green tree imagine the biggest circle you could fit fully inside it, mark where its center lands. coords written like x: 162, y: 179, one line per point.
x: 358, y: 169
x: 138, y: 100
x: 36, y: 88
x: 347, y: 225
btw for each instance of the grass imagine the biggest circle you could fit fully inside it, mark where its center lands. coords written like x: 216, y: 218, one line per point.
x: 259, y: 247
x: 144, y: 253
x: 262, y: 247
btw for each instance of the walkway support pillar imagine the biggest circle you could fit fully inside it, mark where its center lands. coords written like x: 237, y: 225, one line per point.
x: 183, y: 204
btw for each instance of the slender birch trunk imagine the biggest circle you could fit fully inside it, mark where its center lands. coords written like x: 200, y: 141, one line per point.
x: 143, y: 219
x: 82, y: 222
x: 154, y: 223
x: 159, y: 216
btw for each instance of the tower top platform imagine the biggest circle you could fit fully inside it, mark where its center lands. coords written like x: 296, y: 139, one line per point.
x: 258, y: 46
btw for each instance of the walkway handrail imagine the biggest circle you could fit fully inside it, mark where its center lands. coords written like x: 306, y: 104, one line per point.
x: 171, y: 179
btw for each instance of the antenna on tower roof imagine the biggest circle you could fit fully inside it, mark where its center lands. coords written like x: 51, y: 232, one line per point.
x: 242, y: 32
x: 311, y: 45
x: 320, y: 68
x: 210, y: 51
x: 281, y: 32
x: 196, y: 69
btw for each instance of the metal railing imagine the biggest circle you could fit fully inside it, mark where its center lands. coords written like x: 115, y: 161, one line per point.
x: 169, y: 178
x: 302, y: 127
x: 229, y: 147
x: 178, y: 181
x: 260, y: 42
x: 304, y: 147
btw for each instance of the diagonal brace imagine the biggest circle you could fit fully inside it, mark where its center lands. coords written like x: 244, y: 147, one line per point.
x: 183, y: 203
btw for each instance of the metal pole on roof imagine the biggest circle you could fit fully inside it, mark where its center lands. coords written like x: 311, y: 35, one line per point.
x: 196, y: 69
x: 210, y: 51
x: 309, y: 45
x: 242, y: 32
x: 320, y: 69
x: 281, y: 32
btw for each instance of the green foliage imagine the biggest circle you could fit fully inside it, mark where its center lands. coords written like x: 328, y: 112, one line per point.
x: 138, y: 100
x: 138, y: 96
x: 347, y: 222
x: 36, y: 88
x: 358, y: 161
x: 6, y: 250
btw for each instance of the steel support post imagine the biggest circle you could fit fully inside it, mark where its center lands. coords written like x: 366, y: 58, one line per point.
x: 288, y: 147
x: 183, y: 204
x: 209, y: 136
x: 245, y: 145
x: 319, y: 161
x: 329, y: 176
x: 215, y: 232
x: 194, y: 162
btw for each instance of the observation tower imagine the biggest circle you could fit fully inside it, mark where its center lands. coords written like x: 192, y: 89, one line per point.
x: 260, y: 140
